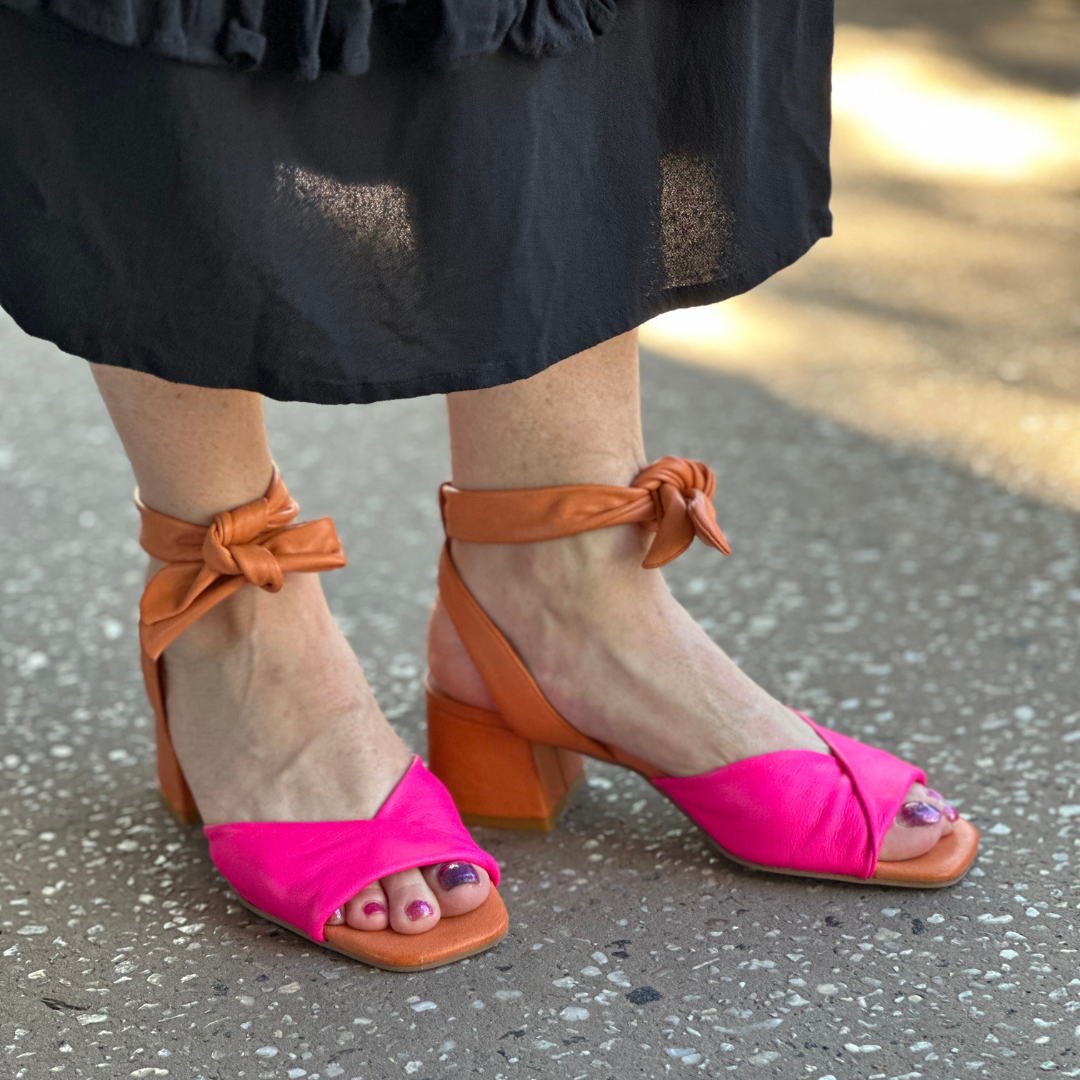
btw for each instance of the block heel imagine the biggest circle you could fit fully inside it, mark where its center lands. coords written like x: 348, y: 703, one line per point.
x: 497, y: 778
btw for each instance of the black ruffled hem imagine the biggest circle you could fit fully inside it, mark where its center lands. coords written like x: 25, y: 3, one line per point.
x: 307, y: 37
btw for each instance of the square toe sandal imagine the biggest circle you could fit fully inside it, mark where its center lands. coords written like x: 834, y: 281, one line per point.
x: 789, y: 812
x: 297, y: 873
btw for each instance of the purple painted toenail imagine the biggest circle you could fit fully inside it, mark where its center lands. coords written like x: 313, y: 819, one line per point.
x: 950, y: 812
x: 935, y: 794
x: 453, y: 874
x: 918, y: 813
x: 373, y: 908
x: 419, y: 909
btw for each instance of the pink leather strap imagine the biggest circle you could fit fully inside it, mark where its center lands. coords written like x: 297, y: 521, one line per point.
x: 301, y: 872
x: 800, y: 810
x: 672, y: 497
x: 255, y: 544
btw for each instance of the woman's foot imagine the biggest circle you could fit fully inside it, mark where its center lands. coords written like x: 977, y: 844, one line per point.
x: 272, y: 720
x: 625, y: 664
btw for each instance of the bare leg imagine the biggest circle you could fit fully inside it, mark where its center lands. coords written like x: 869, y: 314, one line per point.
x: 614, y: 651
x: 269, y: 711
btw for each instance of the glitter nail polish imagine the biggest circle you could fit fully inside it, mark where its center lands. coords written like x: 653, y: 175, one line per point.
x: 950, y: 812
x: 453, y: 874
x: 918, y: 813
x: 419, y: 909
x: 374, y: 908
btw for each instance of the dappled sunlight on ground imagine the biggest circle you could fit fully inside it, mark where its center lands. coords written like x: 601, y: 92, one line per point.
x: 946, y: 310
x: 921, y: 113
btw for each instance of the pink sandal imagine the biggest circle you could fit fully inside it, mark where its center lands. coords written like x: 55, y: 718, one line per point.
x: 298, y: 873
x: 791, y: 812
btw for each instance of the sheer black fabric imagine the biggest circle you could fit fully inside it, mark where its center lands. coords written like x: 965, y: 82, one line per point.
x: 431, y: 225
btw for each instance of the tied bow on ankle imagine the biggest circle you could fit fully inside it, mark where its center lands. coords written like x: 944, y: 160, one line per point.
x: 255, y: 544
x: 681, y: 492
x: 672, y: 498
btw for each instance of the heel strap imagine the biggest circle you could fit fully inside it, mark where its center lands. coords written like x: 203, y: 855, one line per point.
x: 672, y: 498
x: 255, y: 544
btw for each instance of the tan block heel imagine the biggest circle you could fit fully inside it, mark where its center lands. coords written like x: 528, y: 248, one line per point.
x: 497, y: 778
x: 175, y: 794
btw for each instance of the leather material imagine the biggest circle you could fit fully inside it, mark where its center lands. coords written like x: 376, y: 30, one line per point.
x: 793, y: 810
x: 800, y: 810
x: 255, y: 544
x: 523, y: 705
x: 300, y: 872
x: 672, y: 498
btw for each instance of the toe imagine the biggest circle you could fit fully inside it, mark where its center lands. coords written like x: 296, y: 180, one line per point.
x: 458, y: 886
x: 949, y: 812
x: 368, y: 909
x: 411, y: 903
x: 917, y: 828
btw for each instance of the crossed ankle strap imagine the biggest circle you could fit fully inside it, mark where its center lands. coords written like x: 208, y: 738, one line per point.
x: 255, y: 544
x: 672, y: 498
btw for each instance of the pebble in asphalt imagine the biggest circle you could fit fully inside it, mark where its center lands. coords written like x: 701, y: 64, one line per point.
x: 896, y: 598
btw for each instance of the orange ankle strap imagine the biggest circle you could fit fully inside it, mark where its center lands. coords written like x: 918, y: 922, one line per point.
x: 672, y: 498
x: 255, y: 544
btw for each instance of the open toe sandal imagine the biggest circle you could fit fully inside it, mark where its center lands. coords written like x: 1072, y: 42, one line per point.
x: 790, y: 812
x: 297, y: 873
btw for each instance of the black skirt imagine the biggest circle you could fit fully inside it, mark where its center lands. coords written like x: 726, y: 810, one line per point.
x: 398, y: 197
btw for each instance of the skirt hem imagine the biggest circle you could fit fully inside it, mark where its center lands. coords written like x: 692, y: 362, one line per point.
x: 477, y: 377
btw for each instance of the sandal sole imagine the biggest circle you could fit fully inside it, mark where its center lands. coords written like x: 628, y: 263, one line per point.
x: 482, y: 929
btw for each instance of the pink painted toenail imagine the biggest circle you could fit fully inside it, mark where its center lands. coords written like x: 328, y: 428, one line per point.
x: 419, y: 909
x: 338, y: 916
x: 950, y: 812
x: 374, y: 908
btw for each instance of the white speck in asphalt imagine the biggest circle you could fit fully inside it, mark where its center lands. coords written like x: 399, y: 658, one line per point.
x: 766, y: 1057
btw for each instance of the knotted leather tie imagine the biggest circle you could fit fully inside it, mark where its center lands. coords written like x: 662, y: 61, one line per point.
x: 672, y: 497
x: 255, y: 544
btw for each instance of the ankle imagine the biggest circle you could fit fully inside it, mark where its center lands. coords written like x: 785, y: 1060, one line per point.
x: 569, y: 574
x: 249, y: 613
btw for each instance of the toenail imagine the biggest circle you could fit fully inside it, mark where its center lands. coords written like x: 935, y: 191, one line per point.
x: 374, y: 908
x: 453, y: 874
x: 338, y: 916
x: 950, y: 812
x: 935, y: 794
x: 918, y: 813
x: 419, y: 909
